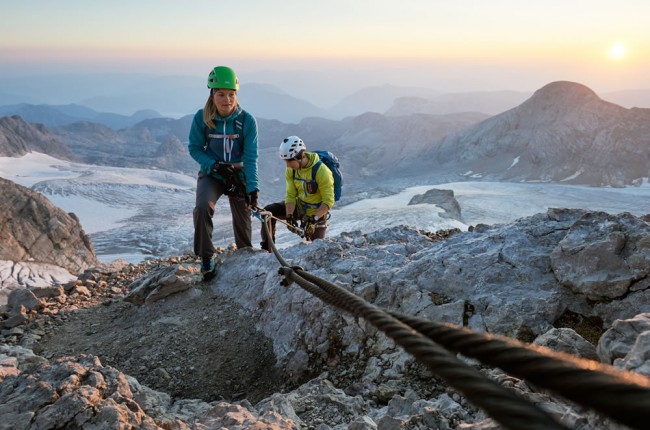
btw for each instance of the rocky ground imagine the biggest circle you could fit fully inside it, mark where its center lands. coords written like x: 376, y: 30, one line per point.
x: 206, y: 350
x: 192, y: 345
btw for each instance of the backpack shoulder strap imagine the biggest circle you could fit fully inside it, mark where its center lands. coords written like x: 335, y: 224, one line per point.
x: 206, y: 137
x: 314, y: 170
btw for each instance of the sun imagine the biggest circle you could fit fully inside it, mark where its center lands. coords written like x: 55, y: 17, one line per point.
x: 617, y: 51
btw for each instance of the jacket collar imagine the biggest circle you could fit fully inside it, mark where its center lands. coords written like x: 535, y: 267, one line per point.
x: 232, y: 116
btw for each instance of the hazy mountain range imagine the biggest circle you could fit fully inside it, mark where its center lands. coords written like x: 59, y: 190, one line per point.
x: 271, y: 103
x: 177, y: 96
x: 53, y: 115
x: 563, y: 132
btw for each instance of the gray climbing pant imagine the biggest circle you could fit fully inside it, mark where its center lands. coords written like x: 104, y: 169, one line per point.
x: 208, y: 191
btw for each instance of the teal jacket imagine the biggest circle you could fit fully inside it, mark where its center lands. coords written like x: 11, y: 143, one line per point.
x: 234, y: 140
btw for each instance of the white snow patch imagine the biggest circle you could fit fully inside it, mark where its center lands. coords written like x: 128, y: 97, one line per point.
x: 575, y: 175
x: 514, y: 162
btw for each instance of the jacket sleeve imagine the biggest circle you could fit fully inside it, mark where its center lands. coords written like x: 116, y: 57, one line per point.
x: 325, y: 181
x: 291, y: 192
x: 197, y: 143
x: 250, y: 153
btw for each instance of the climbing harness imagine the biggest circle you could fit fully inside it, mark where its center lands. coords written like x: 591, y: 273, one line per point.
x: 309, y: 225
x: 620, y: 395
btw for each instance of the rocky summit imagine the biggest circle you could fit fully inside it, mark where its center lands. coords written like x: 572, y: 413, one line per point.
x: 152, y: 346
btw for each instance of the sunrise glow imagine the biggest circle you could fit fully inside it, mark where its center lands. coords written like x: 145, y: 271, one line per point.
x: 455, y: 46
x: 617, y: 51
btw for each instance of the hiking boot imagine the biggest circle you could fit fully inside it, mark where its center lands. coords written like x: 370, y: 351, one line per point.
x: 207, y: 268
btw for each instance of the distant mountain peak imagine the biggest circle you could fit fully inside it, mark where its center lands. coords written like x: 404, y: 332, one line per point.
x: 564, y: 93
x: 563, y: 133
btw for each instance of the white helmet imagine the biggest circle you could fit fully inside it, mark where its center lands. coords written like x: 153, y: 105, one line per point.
x: 291, y: 147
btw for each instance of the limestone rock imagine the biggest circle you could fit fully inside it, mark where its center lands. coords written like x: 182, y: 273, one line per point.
x: 567, y: 340
x: 162, y: 283
x: 499, y: 279
x: 602, y: 255
x: 623, y: 344
x: 33, y: 229
x: 77, y: 393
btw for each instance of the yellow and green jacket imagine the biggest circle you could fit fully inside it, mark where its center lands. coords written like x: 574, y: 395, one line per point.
x: 297, y: 182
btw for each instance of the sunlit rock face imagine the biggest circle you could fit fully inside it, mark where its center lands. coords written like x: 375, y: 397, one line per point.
x: 33, y: 229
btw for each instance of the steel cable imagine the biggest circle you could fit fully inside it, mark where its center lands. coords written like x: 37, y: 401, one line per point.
x: 500, y: 403
x: 623, y: 396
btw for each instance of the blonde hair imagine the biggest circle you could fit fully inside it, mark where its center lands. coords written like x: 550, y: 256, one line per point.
x: 209, y: 112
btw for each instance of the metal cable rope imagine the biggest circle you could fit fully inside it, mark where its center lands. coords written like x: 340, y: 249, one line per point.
x: 500, y: 403
x: 623, y: 396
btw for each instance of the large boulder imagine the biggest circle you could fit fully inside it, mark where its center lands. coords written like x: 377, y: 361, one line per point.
x: 604, y: 256
x: 498, y: 279
x: 33, y: 229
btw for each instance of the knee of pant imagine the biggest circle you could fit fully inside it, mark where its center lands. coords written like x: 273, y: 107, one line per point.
x: 204, y: 207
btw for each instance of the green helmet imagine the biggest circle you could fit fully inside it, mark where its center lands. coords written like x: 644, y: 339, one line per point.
x: 223, y: 77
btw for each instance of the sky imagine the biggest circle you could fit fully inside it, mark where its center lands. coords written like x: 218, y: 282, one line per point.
x: 445, y: 45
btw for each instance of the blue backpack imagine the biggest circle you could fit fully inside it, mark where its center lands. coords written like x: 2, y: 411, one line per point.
x: 332, y: 163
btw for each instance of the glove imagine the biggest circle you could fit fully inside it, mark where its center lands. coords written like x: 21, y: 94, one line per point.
x: 252, y: 198
x: 309, y: 220
x: 292, y: 221
x: 222, y: 169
